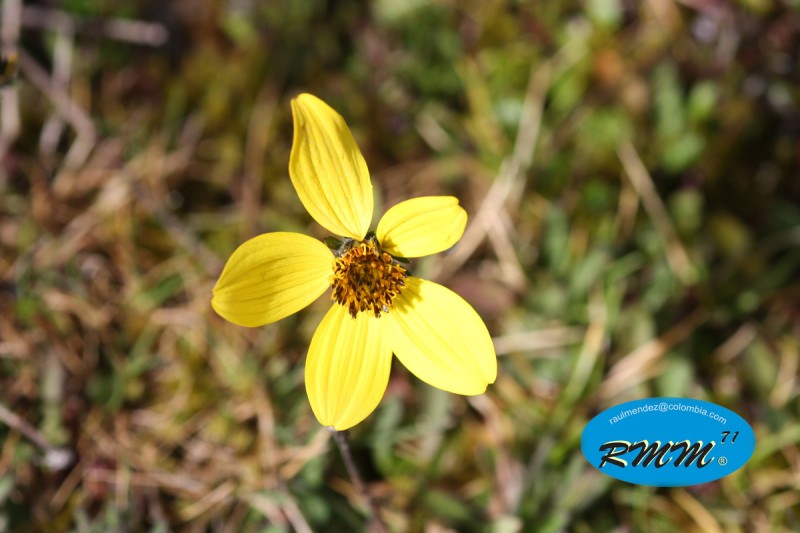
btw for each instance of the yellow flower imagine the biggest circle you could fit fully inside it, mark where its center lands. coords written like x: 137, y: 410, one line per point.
x: 378, y: 309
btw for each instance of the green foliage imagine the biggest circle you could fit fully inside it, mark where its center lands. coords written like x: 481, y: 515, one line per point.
x: 180, y: 421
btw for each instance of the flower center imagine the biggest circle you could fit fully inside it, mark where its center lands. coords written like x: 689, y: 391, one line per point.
x: 366, y: 278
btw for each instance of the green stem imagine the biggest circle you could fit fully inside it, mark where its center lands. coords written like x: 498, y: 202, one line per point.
x: 375, y: 522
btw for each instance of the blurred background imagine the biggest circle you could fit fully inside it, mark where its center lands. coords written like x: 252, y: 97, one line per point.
x: 631, y: 174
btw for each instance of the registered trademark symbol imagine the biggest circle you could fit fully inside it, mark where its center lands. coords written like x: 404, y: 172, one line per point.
x: 722, y: 461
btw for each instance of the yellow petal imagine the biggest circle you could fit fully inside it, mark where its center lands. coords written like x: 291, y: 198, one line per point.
x: 327, y: 169
x: 270, y: 277
x: 348, y: 367
x: 441, y: 339
x: 422, y: 226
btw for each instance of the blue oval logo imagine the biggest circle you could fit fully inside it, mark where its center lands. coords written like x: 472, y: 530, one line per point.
x: 667, y: 442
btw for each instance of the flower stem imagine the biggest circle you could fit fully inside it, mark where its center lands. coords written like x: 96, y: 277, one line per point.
x: 375, y: 522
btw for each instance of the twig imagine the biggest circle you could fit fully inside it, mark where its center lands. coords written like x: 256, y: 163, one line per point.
x: 132, y: 31
x: 10, y: 25
x: 75, y: 115
x: 642, y: 363
x: 701, y: 516
x: 344, y: 449
x: 510, y: 179
x: 9, y: 101
x: 55, y: 458
x: 642, y: 182
x: 62, y: 70
x: 510, y: 176
x: 542, y: 339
